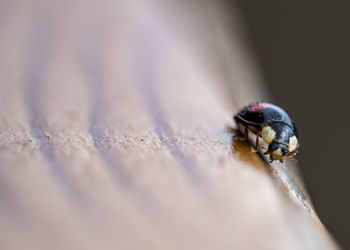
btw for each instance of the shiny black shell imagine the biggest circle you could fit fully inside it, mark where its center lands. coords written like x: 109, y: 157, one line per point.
x: 260, y: 114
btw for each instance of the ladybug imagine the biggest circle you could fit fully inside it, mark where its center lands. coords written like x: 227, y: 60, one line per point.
x: 274, y: 125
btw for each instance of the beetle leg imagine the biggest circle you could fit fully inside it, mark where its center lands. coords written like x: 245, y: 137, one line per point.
x: 293, y: 153
x: 281, y: 160
x: 257, y: 145
x: 246, y: 133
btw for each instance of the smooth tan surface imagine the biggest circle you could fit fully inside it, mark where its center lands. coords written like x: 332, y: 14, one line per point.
x: 116, y: 133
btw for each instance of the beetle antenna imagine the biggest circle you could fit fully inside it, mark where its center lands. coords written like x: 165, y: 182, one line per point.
x: 292, y: 159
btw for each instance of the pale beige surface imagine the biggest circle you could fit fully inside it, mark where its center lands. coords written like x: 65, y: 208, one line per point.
x: 115, y: 133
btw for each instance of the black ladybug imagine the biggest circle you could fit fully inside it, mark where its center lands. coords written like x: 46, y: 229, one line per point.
x: 274, y: 125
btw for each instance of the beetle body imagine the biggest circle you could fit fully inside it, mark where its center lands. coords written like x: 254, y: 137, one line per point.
x: 274, y: 125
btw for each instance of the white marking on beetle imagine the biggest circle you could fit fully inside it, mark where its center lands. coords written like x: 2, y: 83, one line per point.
x: 293, y: 143
x: 268, y: 134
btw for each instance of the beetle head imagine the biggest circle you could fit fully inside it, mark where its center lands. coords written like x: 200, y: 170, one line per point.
x: 277, y: 150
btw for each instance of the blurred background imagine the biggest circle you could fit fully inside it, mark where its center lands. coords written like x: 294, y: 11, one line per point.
x: 303, y: 49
